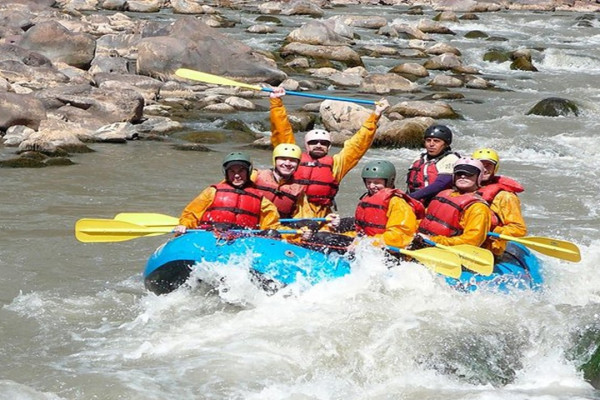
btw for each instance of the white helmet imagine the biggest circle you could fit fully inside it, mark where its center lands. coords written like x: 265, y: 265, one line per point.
x: 317, y: 134
x: 471, y: 166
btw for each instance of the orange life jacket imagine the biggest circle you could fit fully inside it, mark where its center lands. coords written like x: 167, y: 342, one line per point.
x: 494, y: 186
x: 371, y: 212
x: 231, y: 205
x: 317, y: 176
x: 284, y: 195
x: 423, y: 171
x: 444, y: 213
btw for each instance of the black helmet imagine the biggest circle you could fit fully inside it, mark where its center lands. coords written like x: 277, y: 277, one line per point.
x: 440, y: 132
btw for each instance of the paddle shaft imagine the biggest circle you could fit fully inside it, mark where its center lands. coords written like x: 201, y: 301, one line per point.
x: 219, y: 80
x: 323, y: 97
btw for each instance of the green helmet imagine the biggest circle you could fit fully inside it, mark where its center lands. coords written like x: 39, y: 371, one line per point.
x: 237, y: 158
x: 381, y: 169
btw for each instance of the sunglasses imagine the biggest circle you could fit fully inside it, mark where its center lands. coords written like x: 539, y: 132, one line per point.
x: 321, y: 142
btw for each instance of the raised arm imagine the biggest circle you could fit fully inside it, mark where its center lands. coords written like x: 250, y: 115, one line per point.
x: 281, y: 129
x: 356, y: 147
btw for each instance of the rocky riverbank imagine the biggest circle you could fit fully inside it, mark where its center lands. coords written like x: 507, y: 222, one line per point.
x: 74, y: 72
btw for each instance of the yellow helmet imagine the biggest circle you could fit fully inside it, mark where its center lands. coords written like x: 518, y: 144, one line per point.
x: 487, y: 155
x: 289, y: 150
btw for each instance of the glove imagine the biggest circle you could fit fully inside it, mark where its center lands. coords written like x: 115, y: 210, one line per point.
x: 179, y: 230
x: 306, y: 233
x: 417, y: 243
x: 271, y: 233
x: 334, y: 220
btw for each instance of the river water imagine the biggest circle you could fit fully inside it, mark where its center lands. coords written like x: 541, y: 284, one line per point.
x: 77, y: 323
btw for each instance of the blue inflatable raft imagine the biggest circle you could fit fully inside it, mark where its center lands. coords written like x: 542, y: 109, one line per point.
x: 275, y: 263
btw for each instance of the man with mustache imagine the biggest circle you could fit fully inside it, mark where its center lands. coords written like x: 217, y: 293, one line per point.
x: 318, y: 171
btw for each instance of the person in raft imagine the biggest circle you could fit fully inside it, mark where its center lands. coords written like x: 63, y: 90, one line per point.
x: 278, y: 184
x: 432, y: 171
x: 501, y: 194
x: 234, y: 202
x: 320, y: 172
x: 384, y: 213
x: 458, y: 215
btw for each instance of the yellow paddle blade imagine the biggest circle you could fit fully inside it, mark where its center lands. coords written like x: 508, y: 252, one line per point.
x: 107, y: 230
x: 551, y: 247
x: 474, y: 258
x: 441, y: 261
x: 214, y: 79
x: 148, y: 219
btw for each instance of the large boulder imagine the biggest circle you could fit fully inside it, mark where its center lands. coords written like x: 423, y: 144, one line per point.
x: 342, y: 54
x: 17, y: 109
x: 187, y: 42
x: 57, y: 43
x: 317, y: 33
x: 402, y: 133
x: 554, y: 107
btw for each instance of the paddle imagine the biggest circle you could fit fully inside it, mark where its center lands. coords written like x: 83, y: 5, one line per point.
x: 95, y: 230
x: 155, y: 219
x: 474, y: 258
x: 148, y: 219
x: 439, y: 260
x: 219, y: 80
x: 548, y: 246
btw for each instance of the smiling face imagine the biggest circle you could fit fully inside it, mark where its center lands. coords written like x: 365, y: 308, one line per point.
x: 434, y: 146
x: 237, y: 175
x: 374, y: 185
x: 489, y: 168
x: 286, y: 166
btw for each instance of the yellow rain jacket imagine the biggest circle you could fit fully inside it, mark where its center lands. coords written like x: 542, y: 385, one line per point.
x: 507, y: 207
x: 400, y: 227
x: 193, y: 212
x: 476, y: 222
x: 353, y: 150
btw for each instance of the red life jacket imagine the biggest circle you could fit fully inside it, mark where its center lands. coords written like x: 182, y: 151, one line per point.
x: 231, y: 205
x: 498, y: 184
x: 371, y: 212
x: 317, y: 176
x: 444, y: 213
x: 494, y: 186
x: 284, y: 195
x: 424, y: 171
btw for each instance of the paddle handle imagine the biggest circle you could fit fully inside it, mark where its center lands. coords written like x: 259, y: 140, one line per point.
x: 302, y: 219
x: 323, y: 97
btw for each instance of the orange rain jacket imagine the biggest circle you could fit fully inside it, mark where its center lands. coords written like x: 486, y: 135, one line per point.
x: 193, y: 212
x: 507, y: 207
